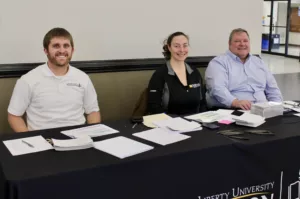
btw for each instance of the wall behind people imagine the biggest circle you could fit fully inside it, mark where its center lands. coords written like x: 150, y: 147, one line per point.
x: 113, y: 29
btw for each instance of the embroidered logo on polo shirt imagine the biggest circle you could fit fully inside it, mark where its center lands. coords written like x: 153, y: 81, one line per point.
x: 194, y: 85
x: 74, y: 84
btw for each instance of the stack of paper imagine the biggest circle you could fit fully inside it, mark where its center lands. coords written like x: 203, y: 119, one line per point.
x: 121, y: 147
x: 178, y: 125
x: 27, y: 145
x: 226, y: 119
x: 92, y: 131
x: 82, y: 142
x: 248, y: 119
x: 206, y: 117
x: 161, y: 136
x: 267, y: 109
x: 292, y: 105
x: 149, y: 119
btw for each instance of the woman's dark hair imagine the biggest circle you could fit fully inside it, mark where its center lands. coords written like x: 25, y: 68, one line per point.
x: 168, y: 41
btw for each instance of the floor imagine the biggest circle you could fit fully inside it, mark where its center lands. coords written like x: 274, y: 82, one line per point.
x: 287, y: 75
x: 280, y: 64
x: 293, y: 50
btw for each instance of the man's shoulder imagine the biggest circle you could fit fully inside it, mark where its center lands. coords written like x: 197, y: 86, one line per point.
x: 256, y: 59
x: 33, y: 75
x: 79, y: 75
x: 78, y: 72
x: 221, y: 58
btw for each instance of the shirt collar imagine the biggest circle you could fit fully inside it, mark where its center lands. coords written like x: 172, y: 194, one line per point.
x: 48, y: 73
x: 233, y: 56
x: 171, y: 71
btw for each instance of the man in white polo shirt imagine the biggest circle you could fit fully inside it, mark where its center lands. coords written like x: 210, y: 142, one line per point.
x: 54, y: 94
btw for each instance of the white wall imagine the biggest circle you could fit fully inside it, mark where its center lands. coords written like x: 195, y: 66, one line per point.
x: 115, y: 29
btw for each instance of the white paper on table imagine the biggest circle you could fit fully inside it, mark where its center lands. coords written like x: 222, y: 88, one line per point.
x: 92, y: 131
x: 250, y: 124
x: 121, y: 147
x: 206, y: 117
x: 296, y: 109
x: 161, y: 136
x: 290, y: 104
x: 248, y: 119
x: 149, y: 119
x: 27, y: 145
x: 82, y: 142
x: 226, y: 113
x: 297, y: 114
x: 178, y: 125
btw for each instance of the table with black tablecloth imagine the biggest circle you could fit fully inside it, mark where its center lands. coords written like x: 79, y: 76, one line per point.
x: 207, y: 165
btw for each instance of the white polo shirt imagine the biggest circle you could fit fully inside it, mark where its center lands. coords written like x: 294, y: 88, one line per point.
x: 53, y: 101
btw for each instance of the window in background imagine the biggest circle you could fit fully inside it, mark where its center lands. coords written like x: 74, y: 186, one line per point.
x: 294, y: 31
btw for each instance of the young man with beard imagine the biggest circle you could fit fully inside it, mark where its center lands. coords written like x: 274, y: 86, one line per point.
x: 237, y: 79
x: 54, y: 94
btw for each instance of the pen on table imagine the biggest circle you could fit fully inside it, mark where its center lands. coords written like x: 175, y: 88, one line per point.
x: 28, y: 144
x: 134, y: 125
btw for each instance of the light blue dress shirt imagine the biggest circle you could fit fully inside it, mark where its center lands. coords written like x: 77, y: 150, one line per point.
x: 228, y: 78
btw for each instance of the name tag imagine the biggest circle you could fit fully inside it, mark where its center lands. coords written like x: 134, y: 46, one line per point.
x: 73, y: 84
x: 194, y: 85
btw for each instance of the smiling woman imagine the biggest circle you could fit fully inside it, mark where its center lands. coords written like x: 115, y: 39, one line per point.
x: 176, y: 88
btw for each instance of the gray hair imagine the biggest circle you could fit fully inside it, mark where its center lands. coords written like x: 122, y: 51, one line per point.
x: 238, y: 30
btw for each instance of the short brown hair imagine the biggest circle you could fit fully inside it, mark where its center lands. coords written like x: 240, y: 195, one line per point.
x: 238, y: 30
x: 57, y: 32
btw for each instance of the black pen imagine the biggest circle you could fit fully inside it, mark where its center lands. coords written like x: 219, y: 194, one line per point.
x: 28, y: 144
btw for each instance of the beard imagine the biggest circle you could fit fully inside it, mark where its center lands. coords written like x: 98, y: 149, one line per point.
x: 57, y: 62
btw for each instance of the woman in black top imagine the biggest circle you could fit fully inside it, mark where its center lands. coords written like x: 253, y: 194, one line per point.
x: 176, y: 88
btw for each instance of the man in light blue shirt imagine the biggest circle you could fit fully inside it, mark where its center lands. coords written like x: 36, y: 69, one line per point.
x: 237, y: 79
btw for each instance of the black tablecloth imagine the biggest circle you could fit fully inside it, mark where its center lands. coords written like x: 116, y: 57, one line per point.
x: 207, y: 165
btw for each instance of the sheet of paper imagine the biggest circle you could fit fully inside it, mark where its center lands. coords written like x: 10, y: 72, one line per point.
x: 121, y: 147
x: 161, y: 136
x: 206, y: 117
x: 92, y: 131
x: 290, y: 104
x: 250, y: 124
x: 245, y: 111
x: 149, y: 119
x: 73, y: 142
x: 227, y: 117
x: 248, y: 119
x: 27, y: 145
x: 297, y: 114
x: 296, y: 109
x: 178, y: 125
x: 224, y: 111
